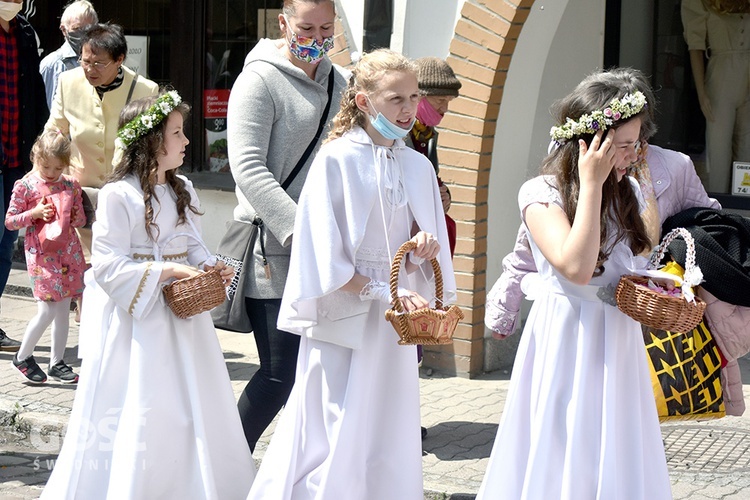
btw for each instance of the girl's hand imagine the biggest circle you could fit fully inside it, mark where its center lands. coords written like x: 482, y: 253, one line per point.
x: 595, y: 162
x: 412, y: 300
x: 427, y: 246
x: 43, y: 210
x: 226, y: 272
x: 177, y: 271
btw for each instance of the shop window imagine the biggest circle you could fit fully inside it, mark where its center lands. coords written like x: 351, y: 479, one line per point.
x: 233, y: 27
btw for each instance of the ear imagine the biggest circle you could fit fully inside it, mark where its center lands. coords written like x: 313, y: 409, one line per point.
x: 282, y: 24
x: 120, y: 60
x: 360, y: 99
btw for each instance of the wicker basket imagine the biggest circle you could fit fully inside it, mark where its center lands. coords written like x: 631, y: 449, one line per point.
x: 190, y: 296
x: 424, y: 326
x: 654, y: 309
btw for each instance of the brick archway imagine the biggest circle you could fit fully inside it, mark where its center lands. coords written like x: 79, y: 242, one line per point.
x: 480, y: 53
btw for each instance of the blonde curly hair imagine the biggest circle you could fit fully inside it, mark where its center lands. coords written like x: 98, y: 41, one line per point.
x: 366, y: 77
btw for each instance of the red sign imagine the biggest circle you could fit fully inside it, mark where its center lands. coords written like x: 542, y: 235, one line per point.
x: 215, y: 103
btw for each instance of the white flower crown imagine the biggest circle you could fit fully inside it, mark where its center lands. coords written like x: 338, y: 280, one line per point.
x: 154, y: 115
x: 601, y: 119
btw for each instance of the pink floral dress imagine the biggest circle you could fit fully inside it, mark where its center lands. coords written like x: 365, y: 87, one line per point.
x: 54, y: 257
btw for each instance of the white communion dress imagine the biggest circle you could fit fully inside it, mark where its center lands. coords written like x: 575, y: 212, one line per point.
x: 154, y: 414
x: 350, y: 429
x: 580, y: 420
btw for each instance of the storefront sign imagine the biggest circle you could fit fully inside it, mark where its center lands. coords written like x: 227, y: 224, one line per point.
x: 741, y: 178
x: 215, y: 102
x: 137, y: 58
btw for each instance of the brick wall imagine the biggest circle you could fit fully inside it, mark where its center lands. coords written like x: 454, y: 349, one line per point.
x: 480, y: 54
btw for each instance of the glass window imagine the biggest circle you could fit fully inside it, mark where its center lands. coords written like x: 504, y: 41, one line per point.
x: 232, y: 29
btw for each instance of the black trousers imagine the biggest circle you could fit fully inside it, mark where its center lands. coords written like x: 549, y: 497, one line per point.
x: 269, y: 388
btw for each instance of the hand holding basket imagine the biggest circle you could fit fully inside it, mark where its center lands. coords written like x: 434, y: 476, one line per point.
x: 654, y: 309
x: 424, y: 326
x: 187, y: 297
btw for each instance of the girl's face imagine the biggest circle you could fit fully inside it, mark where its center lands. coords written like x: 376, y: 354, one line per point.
x: 50, y: 168
x: 175, y: 142
x: 397, y: 98
x: 626, y: 144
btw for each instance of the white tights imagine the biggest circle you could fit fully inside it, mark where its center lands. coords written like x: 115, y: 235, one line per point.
x: 56, y: 313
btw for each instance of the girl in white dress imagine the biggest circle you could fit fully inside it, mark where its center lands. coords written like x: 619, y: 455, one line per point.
x: 351, y: 426
x: 580, y: 420
x: 155, y: 416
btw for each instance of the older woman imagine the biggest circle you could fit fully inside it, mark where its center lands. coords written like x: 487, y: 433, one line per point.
x: 274, y: 112
x: 87, y: 106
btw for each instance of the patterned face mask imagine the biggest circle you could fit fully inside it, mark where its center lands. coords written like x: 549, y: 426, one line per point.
x: 307, y: 49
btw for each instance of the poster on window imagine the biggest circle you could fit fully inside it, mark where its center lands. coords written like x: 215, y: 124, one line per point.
x: 215, y: 103
x: 268, y: 24
x: 137, y: 58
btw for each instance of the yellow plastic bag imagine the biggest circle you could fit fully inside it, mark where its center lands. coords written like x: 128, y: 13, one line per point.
x: 685, y: 373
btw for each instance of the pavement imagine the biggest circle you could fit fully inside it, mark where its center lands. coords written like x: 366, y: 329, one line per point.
x: 707, y: 460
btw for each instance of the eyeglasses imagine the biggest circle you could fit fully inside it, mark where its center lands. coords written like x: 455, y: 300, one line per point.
x: 96, y: 65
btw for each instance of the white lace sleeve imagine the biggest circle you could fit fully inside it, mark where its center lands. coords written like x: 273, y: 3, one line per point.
x: 539, y: 190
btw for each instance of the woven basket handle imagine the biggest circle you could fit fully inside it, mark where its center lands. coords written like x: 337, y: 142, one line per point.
x: 396, y: 267
x: 658, y: 254
x: 194, y: 235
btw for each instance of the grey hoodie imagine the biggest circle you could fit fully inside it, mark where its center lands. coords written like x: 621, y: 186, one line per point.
x: 274, y: 112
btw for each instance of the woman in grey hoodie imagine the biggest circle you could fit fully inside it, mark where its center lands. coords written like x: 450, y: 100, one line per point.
x: 274, y: 110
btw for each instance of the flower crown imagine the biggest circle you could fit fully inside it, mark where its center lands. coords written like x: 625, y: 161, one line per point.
x: 601, y: 119
x: 154, y: 115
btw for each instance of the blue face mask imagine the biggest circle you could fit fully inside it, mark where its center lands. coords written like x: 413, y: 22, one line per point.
x: 387, y: 128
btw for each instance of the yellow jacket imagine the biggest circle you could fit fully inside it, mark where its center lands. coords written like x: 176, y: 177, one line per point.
x: 92, y: 122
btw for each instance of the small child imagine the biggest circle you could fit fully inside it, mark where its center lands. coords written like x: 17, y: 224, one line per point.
x: 48, y: 204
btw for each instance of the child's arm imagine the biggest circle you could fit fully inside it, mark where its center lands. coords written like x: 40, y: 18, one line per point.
x: 573, y: 250
x: 19, y: 215
x: 504, y: 298
x: 77, y: 214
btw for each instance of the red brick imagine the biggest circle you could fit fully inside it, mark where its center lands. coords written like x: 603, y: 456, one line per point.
x: 465, y: 170
x: 469, y: 264
x: 469, y: 194
x: 485, y: 18
x: 473, y: 52
x: 479, y: 35
x: 471, y: 229
x: 465, y: 142
x: 466, y: 281
x: 469, y: 212
x: 468, y: 124
x: 473, y: 71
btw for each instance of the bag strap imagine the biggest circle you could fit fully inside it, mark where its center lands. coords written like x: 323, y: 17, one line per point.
x: 132, y: 87
x: 315, y: 140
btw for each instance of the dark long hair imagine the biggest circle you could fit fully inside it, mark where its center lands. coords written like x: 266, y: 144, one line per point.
x: 140, y: 159
x: 619, y: 201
